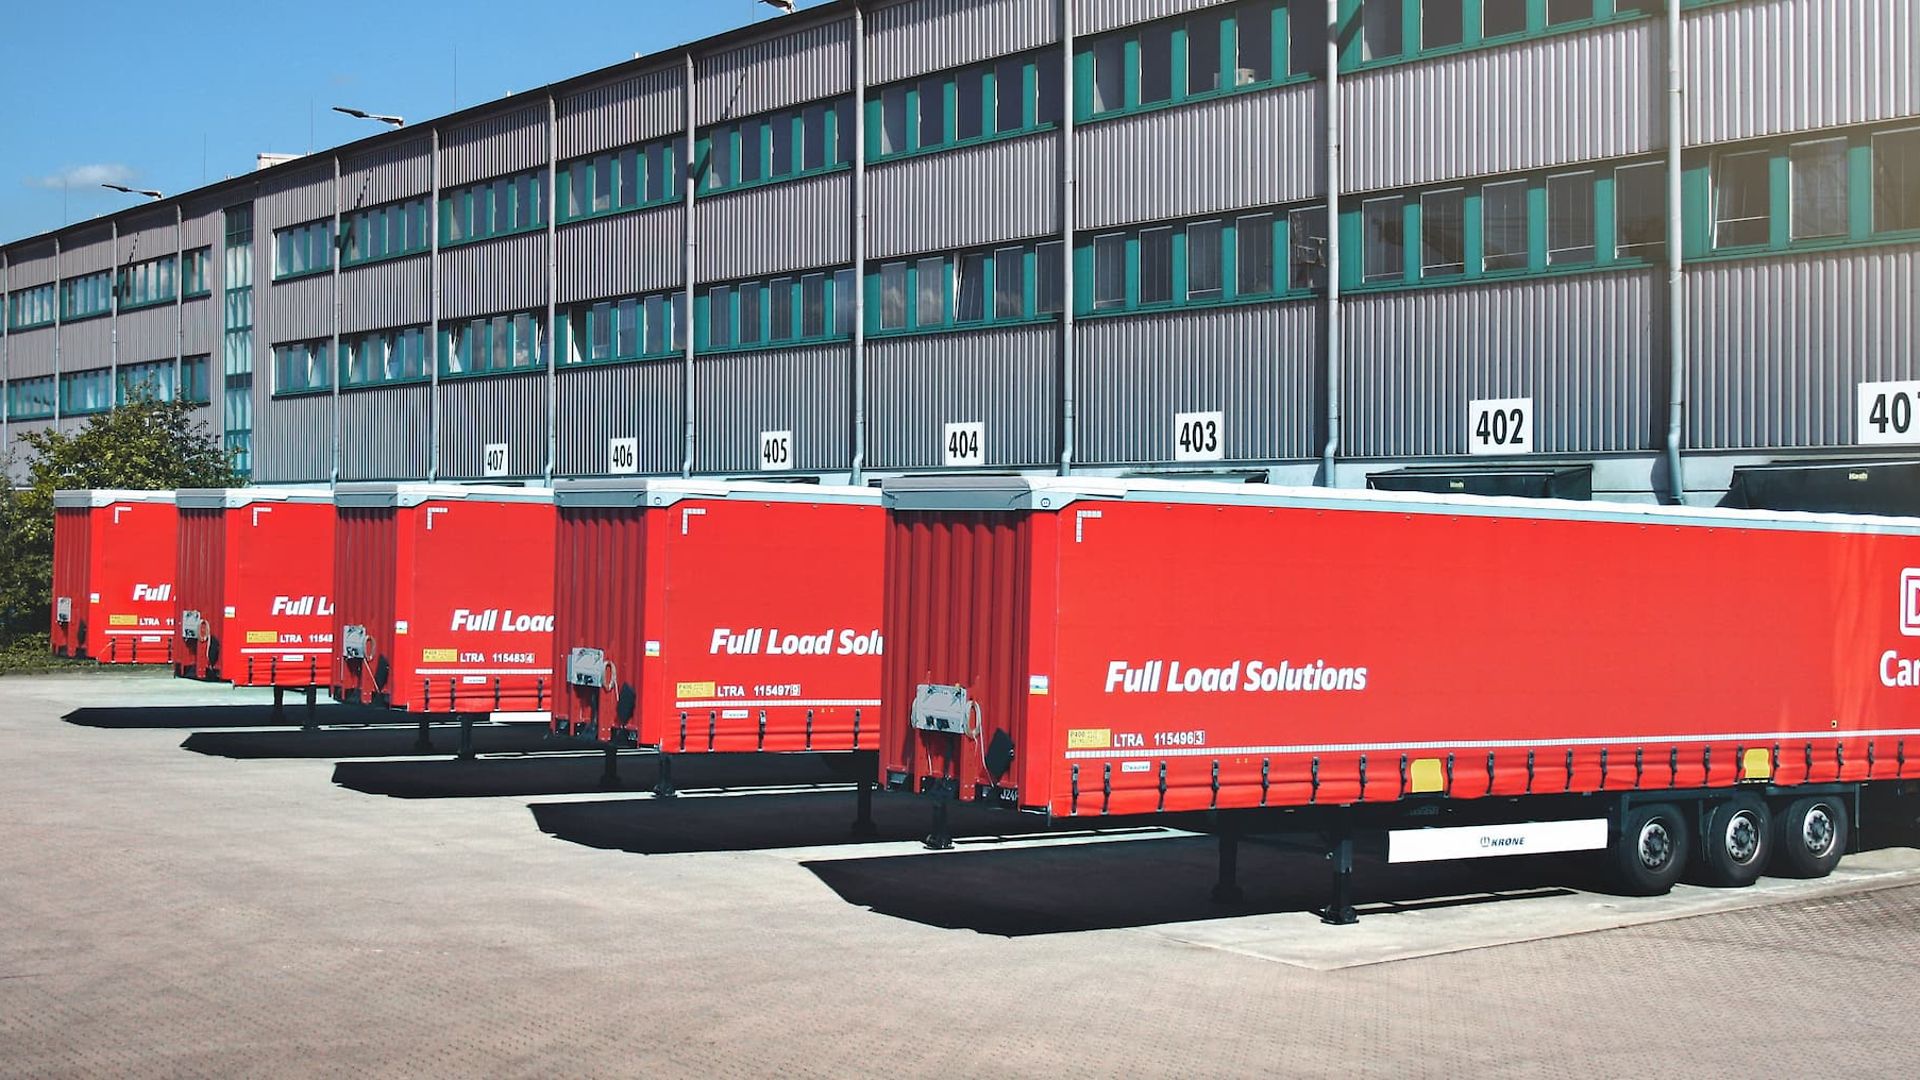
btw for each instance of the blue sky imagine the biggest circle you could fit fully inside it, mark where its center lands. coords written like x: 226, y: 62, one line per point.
x: 171, y: 95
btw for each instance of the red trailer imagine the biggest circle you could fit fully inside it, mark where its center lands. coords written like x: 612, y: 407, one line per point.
x: 113, y: 566
x: 699, y: 616
x: 256, y: 587
x: 1548, y: 675
x: 444, y: 600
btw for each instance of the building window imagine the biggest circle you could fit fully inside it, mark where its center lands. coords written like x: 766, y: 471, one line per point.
x: 633, y: 327
x: 785, y: 310
x: 86, y: 392
x: 1742, y: 199
x: 499, y: 207
x: 1203, y: 53
x: 1009, y: 283
x: 492, y: 344
x: 1500, y: 18
x: 1142, y: 66
x: 1380, y: 29
x: 1050, y: 269
x: 893, y: 296
x: 1008, y: 97
x: 148, y: 283
x: 193, y: 273
x: 299, y: 250
x: 153, y: 381
x: 1442, y: 24
x: 930, y: 285
x: 30, y: 307
x: 1109, y: 75
x: 1253, y: 254
x: 1307, y: 247
x: 384, y: 356
x: 1156, y: 64
x: 1562, y: 12
x: 969, y: 288
x: 1570, y: 224
x: 777, y: 146
x: 1640, y: 210
x: 385, y: 232
x: 1818, y: 173
x: 1156, y: 265
x: 1383, y: 251
x: 86, y: 296
x: 31, y: 399
x: 1503, y: 230
x: 301, y: 367
x: 1443, y: 234
x: 1204, y: 268
x: 1110, y: 271
x: 1896, y: 180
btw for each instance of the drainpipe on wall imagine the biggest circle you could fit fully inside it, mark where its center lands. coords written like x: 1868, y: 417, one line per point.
x: 686, y: 379
x: 333, y: 355
x: 6, y: 358
x: 433, y: 301
x: 1676, y: 273
x: 858, y: 463
x: 113, y: 321
x: 553, y: 284
x: 59, y: 321
x: 1069, y: 188
x: 180, y: 309
x: 1332, y: 112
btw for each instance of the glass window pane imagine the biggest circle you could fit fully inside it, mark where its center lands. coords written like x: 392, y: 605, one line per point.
x: 1010, y: 283
x: 930, y: 307
x: 1156, y: 64
x: 1640, y: 210
x: 893, y: 296
x: 1570, y: 236
x: 969, y: 112
x: 1009, y: 95
x: 1110, y: 271
x: 1380, y: 29
x: 627, y: 333
x: 1440, y: 24
x: 1156, y: 265
x: 662, y: 318
x: 933, y: 112
x: 720, y: 157
x: 1501, y: 17
x: 750, y: 329
x: 814, y: 131
x: 1203, y: 261
x: 893, y: 120
x: 1253, y: 254
x: 782, y: 128
x: 1819, y: 176
x: 1383, y: 255
x: 631, y: 164
x: 780, y: 309
x: 1443, y: 238
x: 1048, y: 97
x: 719, y: 316
x: 1560, y: 12
x: 1050, y: 269
x: 1503, y: 213
x: 970, y: 288
x: 1896, y: 181
x: 844, y: 299
x: 813, y: 306
x: 602, y: 320
x: 1109, y: 74
x: 1742, y: 199
x: 843, y: 131
x: 753, y: 149
x: 1203, y: 51
x: 1307, y: 36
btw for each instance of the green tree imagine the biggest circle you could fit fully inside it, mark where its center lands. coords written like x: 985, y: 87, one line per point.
x: 144, y: 445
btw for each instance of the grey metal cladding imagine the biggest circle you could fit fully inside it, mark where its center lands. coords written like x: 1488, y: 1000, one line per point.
x: 149, y: 334
x: 494, y: 146
x: 30, y: 353
x: 1004, y: 378
x: 640, y: 107
x: 1788, y: 65
x: 1095, y: 16
x: 623, y: 255
x: 292, y: 437
x: 86, y: 344
x: 202, y: 229
x: 510, y: 409
x: 792, y: 225
x: 32, y: 265
x: 739, y: 395
x: 151, y: 238
x: 620, y: 401
x: 291, y: 198
x: 1257, y: 364
x: 1777, y: 346
x: 296, y: 310
x: 200, y: 326
x: 87, y: 252
x: 774, y: 72
x: 385, y: 433
x: 1581, y: 347
x: 1530, y: 105
x: 492, y: 276
x: 962, y: 198
x: 1198, y: 159
x: 396, y: 292
x: 915, y: 37
x: 386, y: 173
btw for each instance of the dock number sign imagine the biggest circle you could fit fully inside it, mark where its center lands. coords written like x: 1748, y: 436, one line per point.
x: 776, y: 451
x: 494, y: 459
x: 623, y: 456
x: 1886, y: 414
x: 1500, y: 426
x: 964, y: 444
x: 1199, y: 436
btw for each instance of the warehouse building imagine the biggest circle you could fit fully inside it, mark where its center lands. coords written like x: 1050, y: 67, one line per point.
x: 907, y: 235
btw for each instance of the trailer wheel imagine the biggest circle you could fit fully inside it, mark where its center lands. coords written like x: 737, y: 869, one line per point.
x: 1809, y: 836
x: 1736, y: 841
x: 1650, y: 853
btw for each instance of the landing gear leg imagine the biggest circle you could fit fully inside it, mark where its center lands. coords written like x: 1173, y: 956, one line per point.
x: 863, y: 826
x: 610, y: 771
x: 312, y: 722
x: 1339, y: 909
x: 466, y: 737
x: 1226, y: 890
x: 279, y: 703
x: 941, y: 838
x: 663, y: 787
x: 422, y: 743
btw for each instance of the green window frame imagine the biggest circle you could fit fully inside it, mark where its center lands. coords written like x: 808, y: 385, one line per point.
x: 194, y: 281
x: 84, y: 393
x: 804, y: 307
x: 390, y: 357
x: 1237, y: 257
x: 622, y: 329
x: 30, y: 308
x: 1216, y: 52
x: 1002, y: 99
x: 156, y: 378
x: 1811, y: 191
x: 303, y: 250
x: 1004, y: 284
x: 502, y: 206
x: 493, y: 345
x: 302, y: 367
x: 147, y: 284
x: 390, y: 231
x: 86, y: 296
x: 1376, y: 33
x: 772, y: 148
x: 31, y: 399
x: 619, y: 181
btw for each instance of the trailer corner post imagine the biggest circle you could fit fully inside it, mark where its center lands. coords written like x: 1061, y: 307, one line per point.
x: 1331, y: 449
x: 687, y: 267
x: 1069, y: 191
x: 857, y: 407
x: 1676, y: 272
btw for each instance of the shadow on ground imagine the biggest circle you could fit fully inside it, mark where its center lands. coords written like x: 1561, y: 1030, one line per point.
x: 755, y: 821
x: 580, y: 772
x: 178, y: 717
x: 389, y: 740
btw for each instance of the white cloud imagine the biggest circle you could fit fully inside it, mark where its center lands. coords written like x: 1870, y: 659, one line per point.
x: 85, y: 176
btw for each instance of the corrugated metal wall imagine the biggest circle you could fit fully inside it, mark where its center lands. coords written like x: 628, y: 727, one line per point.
x: 385, y: 433
x: 86, y: 344
x: 149, y: 334
x: 294, y: 310
x: 1531, y: 105
x: 1778, y: 346
x: 292, y: 437
x: 620, y: 113
x: 508, y: 274
x: 289, y: 198
x: 394, y: 171
x: 939, y: 202
x: 1198, y: 159
x: 147, y: 237
x: 1580, y: 347
x: 788, y: 226
x: 31, y: 265
x: 1258, y: 364
x: 1004, y: 378
x: 1094, y: 16
x: 202, y: 325
x: 621, y: 255
x: 201, y: 227
x: 620, y: 401
x: 84, y: 252
x: 30, y: 353
x: 740, y: 395
x: 509, y: 409
x: 397, y: 292
x: 1787, y: 65
x: 796, y: 66
x: 918, y: 36
x: 495, y: 146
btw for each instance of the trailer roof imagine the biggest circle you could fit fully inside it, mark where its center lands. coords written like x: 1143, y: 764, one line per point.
x: 109, y: 496
x: 384, y: 495
x: 666, y: 492
x: 1048, y: 494
x: 233, y: 498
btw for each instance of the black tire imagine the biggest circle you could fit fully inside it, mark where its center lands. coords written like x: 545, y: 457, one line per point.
x: 1650, y: 851
x: 1809, y: 836
x: 1736, y: 841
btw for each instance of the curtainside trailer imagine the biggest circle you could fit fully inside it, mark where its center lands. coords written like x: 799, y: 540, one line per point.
x: 443, y: 601
x: 698, y: 616
x: 255, y: 598
x: 1470, y: 676
x: 113, y: 575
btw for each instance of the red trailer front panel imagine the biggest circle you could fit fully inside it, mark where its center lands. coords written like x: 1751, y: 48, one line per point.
x: 113, y: 575
x: 1090, y: 647
x: 698, y: 616
x: 256, y: 586
x: 444, y: 598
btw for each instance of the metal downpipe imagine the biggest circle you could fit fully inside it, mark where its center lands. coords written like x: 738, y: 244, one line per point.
x: 1676, y: 273
x: 1332, y: 113
x: 1069, y: 188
